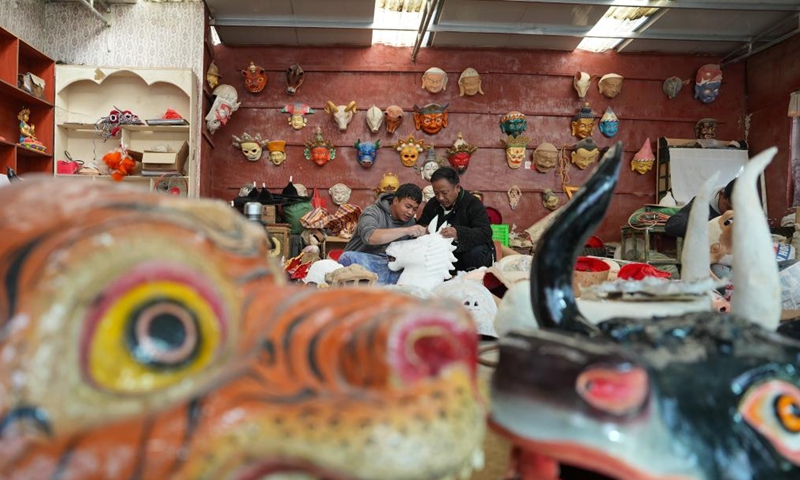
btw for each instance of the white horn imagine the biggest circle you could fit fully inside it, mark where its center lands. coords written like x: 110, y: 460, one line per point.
x: 757, y: 288
x: 695, y: 256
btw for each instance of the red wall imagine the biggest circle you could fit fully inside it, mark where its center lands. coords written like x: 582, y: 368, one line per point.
x: 537, y: 83
x: 771, y: 77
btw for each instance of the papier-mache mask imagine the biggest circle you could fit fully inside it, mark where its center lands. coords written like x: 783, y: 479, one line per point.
x: 586, y: 152
x: 340, y: 193
x: 220, y: 113
x: 319, y: 150
x: 513, y: 123
x: 252, y: 147
x: 212, y: 75
x: 431, y: 118
x: 410, y: 150
x: 277, y: 151
x: 389, y: 183
x: 642, y: 161
x: 394, y: 118
x: 297, y: 112
x: 581, y: 83
x: 295, y: 76
x: 341, y: 115
x: 434, y: 80
x: 545, y: 157
x: 255, y: 78
x: 514, y: 195
x: 366, y: 152
x: 672, y: 86
x: 609, y: 123
x: 460, y: 154
x: 430, y: 165
x: 708, y: 82
x: 583, y: 122
x: 469, y: 83
x: 706, y: 128
x: 610, y: 85
x: 374, y: 119
x: 427, y: 193
x: 515, y: 150
x: 549, y: 199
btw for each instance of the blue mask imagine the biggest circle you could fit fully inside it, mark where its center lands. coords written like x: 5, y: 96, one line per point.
x: 707, y: 92
x: 609, y: 128
x: 366, y: 152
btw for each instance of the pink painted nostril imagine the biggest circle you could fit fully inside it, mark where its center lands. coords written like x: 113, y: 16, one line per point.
x: 426, y: 347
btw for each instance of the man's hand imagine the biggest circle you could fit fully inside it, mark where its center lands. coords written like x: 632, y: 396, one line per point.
x: 449, y: 232
x: 416, y: 231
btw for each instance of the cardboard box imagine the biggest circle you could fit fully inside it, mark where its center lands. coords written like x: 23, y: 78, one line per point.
x: 165, y: 162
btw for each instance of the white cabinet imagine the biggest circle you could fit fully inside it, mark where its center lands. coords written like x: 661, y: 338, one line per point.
x: 85, y: 94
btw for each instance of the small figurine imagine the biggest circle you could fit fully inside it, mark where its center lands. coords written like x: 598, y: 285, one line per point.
x: 545, y: 157
x: 706, y: 128
x: 27, y: 138
x: 212, y: 75
x: 431, y: 118
x: 549, y: 199
x: 469, y: 83
x: 297, y: 112
x: 374, y: 119
x: 672, y: 86
x: 609, y: 123
x: 394, y: 118
x: 255, y: 78
x: 515, y: 149
x: 252, y: 147
x: 340, y: 193
x: 319, y: 150
x: 295, y: 76
x: 586, y: 152
x: 581, y: 83
x: 708, y: 82
x: 277, y: 151
x: 409, y: 150
x: 642, y: 161
x: 513, y: 123
x: 583, y: 122
x: 434, y: 80
x: 460, y: 154
x: 366, y: 152
x: 610, y: 85
x: 341, y: 115
x: 514, y: 195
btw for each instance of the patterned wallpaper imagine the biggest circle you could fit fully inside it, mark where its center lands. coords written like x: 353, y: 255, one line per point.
x: 26, y: 20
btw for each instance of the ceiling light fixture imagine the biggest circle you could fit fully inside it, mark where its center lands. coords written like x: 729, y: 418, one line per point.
x: 616, y: 21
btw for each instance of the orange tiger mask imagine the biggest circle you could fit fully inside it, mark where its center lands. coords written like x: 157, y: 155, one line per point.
x: 147, y: 337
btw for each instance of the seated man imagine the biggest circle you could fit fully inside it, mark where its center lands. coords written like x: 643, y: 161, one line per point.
x: 390, y: 218
x: 467, y: 219
x: 720, y: 203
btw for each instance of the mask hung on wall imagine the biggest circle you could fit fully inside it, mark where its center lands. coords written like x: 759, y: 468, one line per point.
x: 340, y: 193
x: 427, y: 193
x: 409, y: 150
x: 295, y: 76
x: 643, y: 159
x: 252, y: 147
x: 277, y: 151
x: 460, y: 154
x: 609, y: 123
x: 389, y: 183
x: 255, y: 78
x: 672, y: 86
x: 610, y: 85
x: 431, y: 118
x: 706, y: 128
x: 374, y: 119
x: 298, y: 112
x: 545, y: 157
x: 394, y: 117
x: 434, y: 80
x: 708, y: 82
x: 549, y: 199
x: 514, y: 195
x: 430, y: 165
x: 225, y: 103
x: 515, y: 150
x: 581, y: 83
x: 583, y: 122
x: 341, y: 115
x: 469, y: 83
x: 513, y: 123
x: 212, y: 75
x: 586, y: 152
x: 366, y: 152
x: 319, y: 150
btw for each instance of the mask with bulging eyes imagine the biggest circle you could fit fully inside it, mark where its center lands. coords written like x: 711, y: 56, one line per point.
x: 545, y: 157
x: 255, y: 78
x: 251, y: 146
x: 515, y: 150
x: 409, y: 150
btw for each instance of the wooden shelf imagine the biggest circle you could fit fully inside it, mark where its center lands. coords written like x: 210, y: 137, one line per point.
x: 27, y: 152
x: 90, y: 127
x: 12, y: 91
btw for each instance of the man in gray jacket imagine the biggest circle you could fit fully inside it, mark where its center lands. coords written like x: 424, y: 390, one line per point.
x: 390, y: 218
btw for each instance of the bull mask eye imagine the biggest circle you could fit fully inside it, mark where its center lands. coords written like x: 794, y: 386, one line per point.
x: 772, y: 408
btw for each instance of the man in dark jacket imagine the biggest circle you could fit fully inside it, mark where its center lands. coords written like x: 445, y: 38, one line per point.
x: 467, y: 219
x: 720, y: 203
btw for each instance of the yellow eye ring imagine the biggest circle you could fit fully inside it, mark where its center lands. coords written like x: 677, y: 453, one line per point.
x: 788, y: 412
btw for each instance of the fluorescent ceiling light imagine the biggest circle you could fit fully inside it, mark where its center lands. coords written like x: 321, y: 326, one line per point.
x: 617, y: 20
x: 396, y: 22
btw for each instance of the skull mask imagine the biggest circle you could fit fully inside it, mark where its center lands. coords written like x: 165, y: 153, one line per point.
x: 251, y: 146
x: 409, y: 150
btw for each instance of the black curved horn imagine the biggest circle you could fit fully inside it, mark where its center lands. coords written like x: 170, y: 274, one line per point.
x: 556, y: 252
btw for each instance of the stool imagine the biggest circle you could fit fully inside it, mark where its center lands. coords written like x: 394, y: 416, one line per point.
x: 653, y: 237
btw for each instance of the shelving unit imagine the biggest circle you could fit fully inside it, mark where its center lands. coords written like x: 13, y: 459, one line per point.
x: 18, y: 58
x: 86, y: 94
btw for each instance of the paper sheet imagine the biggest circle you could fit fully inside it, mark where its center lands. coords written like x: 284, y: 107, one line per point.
x: 690, y: 167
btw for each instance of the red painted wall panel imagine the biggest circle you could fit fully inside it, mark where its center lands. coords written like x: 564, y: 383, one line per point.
x: 537, y: 83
